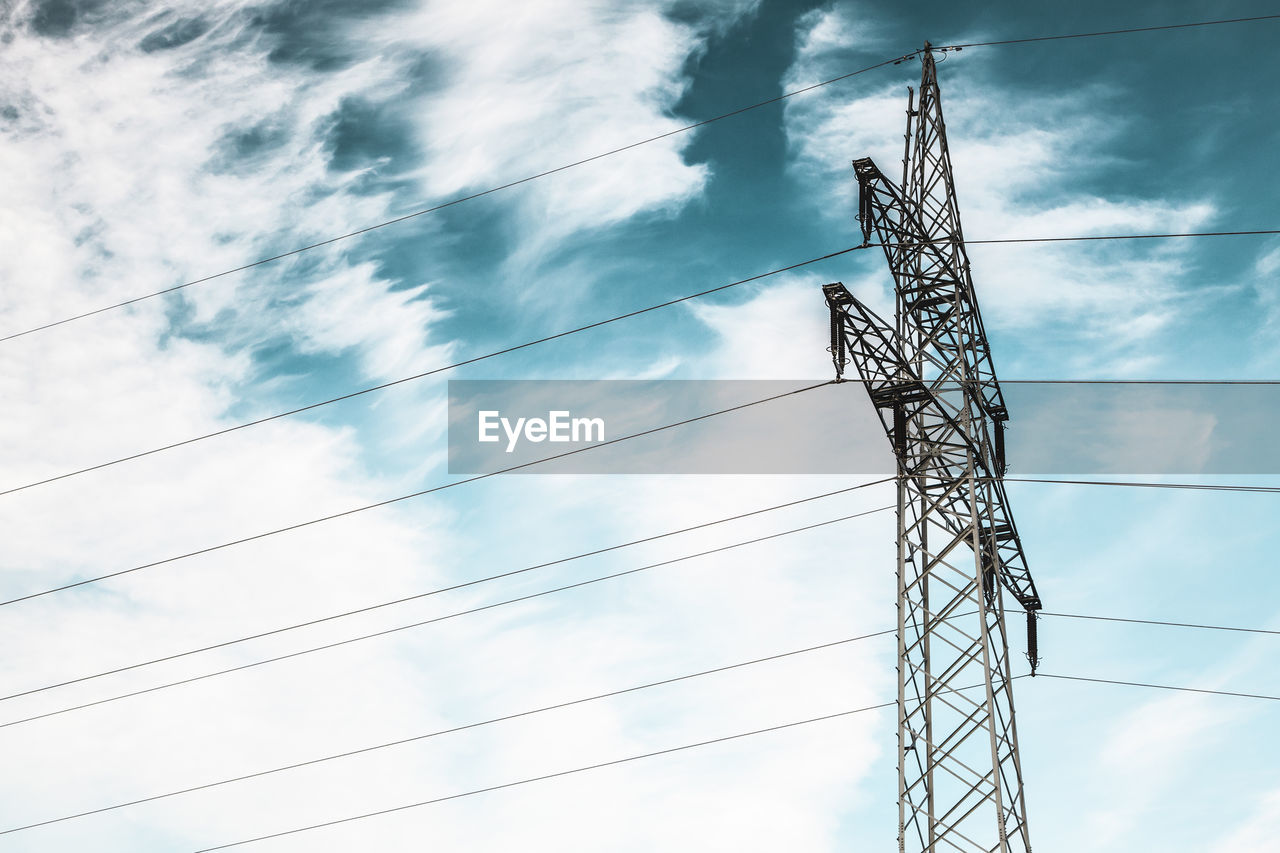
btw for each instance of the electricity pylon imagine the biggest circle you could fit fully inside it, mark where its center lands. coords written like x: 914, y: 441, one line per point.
x: 932, y: 382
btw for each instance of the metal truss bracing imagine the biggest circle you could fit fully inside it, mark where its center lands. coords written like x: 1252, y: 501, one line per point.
x: 931, y: 379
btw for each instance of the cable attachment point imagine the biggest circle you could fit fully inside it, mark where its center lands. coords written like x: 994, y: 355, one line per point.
x: 1033, y: 645
x: 838, y: 300
x: 839, y: 356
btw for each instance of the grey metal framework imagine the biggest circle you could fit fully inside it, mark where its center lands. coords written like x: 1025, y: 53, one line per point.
x: 932, y: 382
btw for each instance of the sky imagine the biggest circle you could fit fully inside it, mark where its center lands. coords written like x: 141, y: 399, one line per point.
x: 147, y: 144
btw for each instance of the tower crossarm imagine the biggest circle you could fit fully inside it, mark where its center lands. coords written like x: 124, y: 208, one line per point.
x: 858, y: 335
x: 935, y: 291
x: 937, y: 455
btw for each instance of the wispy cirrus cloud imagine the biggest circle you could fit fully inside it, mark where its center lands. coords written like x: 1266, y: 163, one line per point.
x: 154, y: 143
x: 1259, y: 831
x: 1266, y: 274
x: 499, y: 113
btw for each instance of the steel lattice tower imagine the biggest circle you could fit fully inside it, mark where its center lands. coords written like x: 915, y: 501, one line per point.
x: 932, y: 382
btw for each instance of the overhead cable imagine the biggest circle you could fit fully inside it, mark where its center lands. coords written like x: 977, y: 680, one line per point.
x: 420, y: 493
x: 1159, y: 686
x: 611, y: 152
x: 446, y: 367
x: 544, y: 777
x: 1211, y: 487
x: 1127, y: 31
x: 454, y: 615
x: 1089, y: 238
x: 471, y: 197
x: 1157, y: 622
x: 1136, y: 382
x: 552, y: 337
x: 439, y: 590
x: 620, y: 692
x: 452, y: 730
x: 405, y: 807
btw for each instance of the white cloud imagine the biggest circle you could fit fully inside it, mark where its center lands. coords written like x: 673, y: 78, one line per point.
x: 1260, y: 831
x: 838, y: 27
x: 85, y: 224
x: 1266, y: 289
x: 1269, y: 263
x: 1161, y: 750
x: 556, y: 82
x: 778, y: 333
x: 89, y: 107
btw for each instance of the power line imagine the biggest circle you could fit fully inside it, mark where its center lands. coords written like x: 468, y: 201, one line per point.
x: 389, y: 501
x: 1158, y: 686
x: 453, y: 366
x: 344, y: 513
x: 447, y: 616
x: 1122, y: 236
x: 1124, y: 483
x: 1157, y: 622
x: 556, y: 336
x: 603, y: 155
x: 440, y: 590
x: 1137, y: 382
x: 600, y: 696
x: 627, y: 690
x: 1138, y: 485
x: 1127, y: 31
x: 549, y: 776
x: 561, y: 561
x: 494, y: 577
x: 420, y: 493
x: 459, y: 200
x: 960, y: 383
x: 453, y: 730
x: 687, y: 746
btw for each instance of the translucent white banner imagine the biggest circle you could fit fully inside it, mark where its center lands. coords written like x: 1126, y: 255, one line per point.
x: 1054, y: 428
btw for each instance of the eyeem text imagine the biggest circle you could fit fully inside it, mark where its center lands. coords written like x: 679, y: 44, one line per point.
x: 558, y: 426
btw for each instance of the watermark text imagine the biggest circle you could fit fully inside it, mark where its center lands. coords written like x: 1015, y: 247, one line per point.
x: 559, y: 426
